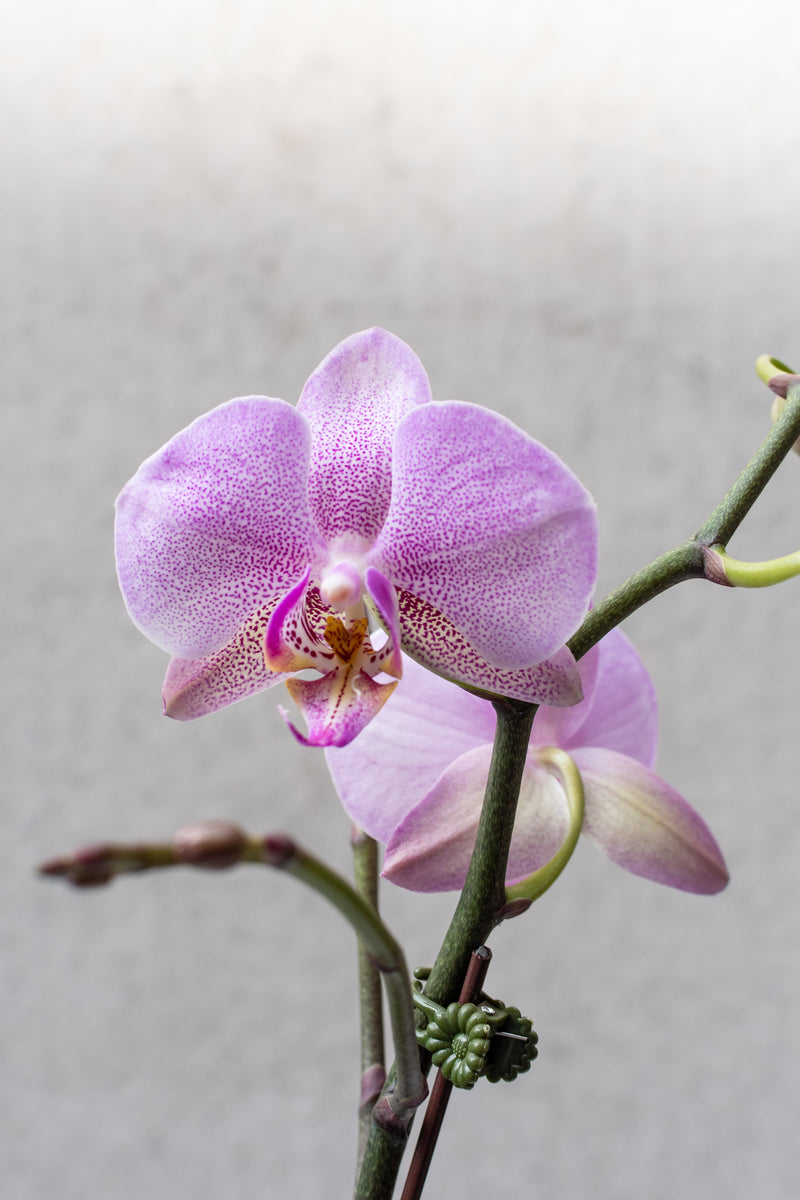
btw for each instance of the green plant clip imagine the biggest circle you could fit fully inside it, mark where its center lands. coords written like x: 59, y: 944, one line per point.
x: 468, y: 1041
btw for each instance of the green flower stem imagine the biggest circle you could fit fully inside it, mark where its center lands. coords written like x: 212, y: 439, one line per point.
x: 373, y: 1069
x: 480, y: 908
x: 217, y: 845
x: 690, y: 560
x: 381, y: 1163
x: 734, y: 507
x: 410, y: 1088
x: 683, y: 562
x: 756, y: 574
x: 483, y: 898
x: 564, y: 768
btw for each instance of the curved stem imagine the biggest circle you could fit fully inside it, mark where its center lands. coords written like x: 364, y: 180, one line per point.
x: 219, y: 844
x: 561, y: 765
x: 736, y: 504
x: 683, y: 562
x: 689, y: 561
x: 410, y: 1087
x: 755, y: 574
x: 769, y: 368
x: 483, y: 897
x: 478, y: 911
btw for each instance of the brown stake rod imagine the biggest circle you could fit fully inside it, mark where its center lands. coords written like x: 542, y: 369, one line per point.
x: 440, y: 1092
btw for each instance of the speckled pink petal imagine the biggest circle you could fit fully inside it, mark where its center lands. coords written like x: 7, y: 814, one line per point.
x: 194, y: 687
x: 644, y: 826
x: 338, y: 707
x: 215, y: 524
x: 619, y: 711
x: 354, y: 402
x: 429, y: 638
x: 399, y: 756
x: 490, y: 528
x: 431, y: 848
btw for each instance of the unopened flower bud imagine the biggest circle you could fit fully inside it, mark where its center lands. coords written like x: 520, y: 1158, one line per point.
x: 91, y: 866
x: 213, y: 844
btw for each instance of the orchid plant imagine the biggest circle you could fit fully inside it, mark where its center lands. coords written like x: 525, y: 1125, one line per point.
x: 420, y: 576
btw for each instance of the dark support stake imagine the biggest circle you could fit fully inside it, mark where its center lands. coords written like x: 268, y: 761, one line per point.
x: 440, y: 1092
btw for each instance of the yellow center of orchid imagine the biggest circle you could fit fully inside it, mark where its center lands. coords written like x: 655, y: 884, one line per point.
x: 345, y: 640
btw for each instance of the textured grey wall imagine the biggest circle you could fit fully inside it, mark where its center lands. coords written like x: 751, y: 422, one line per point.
x: 583, y: 215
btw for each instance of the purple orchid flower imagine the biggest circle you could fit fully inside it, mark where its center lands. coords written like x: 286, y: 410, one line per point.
x: 265, y: 540
x: 416, y: 782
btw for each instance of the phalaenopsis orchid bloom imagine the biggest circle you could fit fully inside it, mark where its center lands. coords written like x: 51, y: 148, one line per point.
x: 266, y: 540
x: 416, y: 782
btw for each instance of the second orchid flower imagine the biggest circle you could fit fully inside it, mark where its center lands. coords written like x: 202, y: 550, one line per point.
x: 416, y: 783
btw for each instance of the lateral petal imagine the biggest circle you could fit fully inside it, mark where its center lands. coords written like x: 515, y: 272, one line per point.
x: 490, y: 528
x: 430, y: 849
x: 645, y: 826
x: 215, y: 523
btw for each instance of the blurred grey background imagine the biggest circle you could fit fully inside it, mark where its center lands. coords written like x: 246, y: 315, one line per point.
x: 583, y: 215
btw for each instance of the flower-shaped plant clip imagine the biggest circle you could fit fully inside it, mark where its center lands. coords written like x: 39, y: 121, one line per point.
x: 514, y: 1046
x: 265, y: 540
x: 458, y: 1038
x: 467, y: 1041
